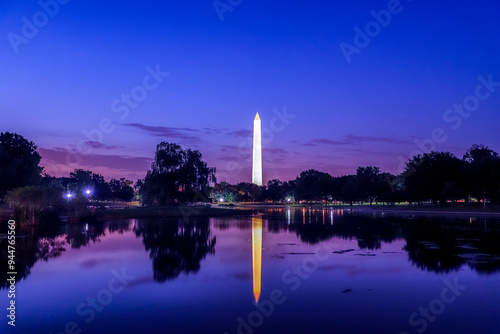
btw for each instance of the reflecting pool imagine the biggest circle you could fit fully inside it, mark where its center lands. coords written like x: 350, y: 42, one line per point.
x: 283, y: 271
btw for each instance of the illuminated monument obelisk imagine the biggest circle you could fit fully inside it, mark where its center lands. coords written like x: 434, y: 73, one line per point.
x: 257, y: 152
x: 256, y: 255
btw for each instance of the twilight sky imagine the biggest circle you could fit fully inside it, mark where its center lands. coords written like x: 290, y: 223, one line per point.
x: 97, y: 85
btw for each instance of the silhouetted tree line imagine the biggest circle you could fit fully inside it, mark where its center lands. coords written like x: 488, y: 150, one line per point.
x: 180, y: 175
x: 177, y: 175
x: 24, y: 184
x: 437, y: 177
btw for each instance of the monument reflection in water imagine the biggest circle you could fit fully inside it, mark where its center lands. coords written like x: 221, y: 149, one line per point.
x: 256, y: 256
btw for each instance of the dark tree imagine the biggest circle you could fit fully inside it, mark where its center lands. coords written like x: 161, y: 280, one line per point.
x: 436, y: 176
x: 369, y: 183
x: 19, y: 162
x: 479, y: 153
x: 349, y: 191
x: 224, y: 192
x: 313, y: 185
x: 483, y: 171
x: 249, y: 192
x: 278, y: 191
x: 336, y: 187
x: 81, y: 181
x: 391, y: 188
x: 102, y: 190
x: 176, y: 175
x: 122, y: 189
x: 275, y: 190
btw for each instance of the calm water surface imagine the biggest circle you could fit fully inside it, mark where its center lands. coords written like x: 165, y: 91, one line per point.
x: 286, y: 271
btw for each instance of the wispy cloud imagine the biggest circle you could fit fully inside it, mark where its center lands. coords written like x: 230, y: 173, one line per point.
x: 167, y: 132
x: 190, y: 135
x: 228, y: 148
x: 236, y: 149
x: 96, y: 144
x: 119, y: 162
x: 276, y: 151
x: 241, y: 133
x: 350, y: 139
x: 215, y: 130
x: 227, y: 158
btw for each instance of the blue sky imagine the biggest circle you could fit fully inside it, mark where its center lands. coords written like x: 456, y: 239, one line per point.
x: 263, y: 57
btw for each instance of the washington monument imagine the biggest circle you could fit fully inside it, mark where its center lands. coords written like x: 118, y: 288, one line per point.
x: 257, y: 152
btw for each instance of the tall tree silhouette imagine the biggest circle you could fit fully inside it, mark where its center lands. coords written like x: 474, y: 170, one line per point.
x: 19, y: 162
x: 435, y: 176
x: 369, y: 182
x: 176, y: 175
x: 122, y: 189
x: 483, y: 171
x: 313, y: 185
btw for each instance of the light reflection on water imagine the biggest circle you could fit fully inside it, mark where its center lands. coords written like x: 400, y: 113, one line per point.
x: 256, y: 256
x: 311, y: 271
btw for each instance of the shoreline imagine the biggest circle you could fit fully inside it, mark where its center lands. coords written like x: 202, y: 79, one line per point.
x: 248, y: 209
x: 493, y: 211
x: 460, y: 212
x: 182, y: 211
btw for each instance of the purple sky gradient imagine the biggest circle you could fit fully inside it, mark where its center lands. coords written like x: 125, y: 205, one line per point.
x: 70, y: 79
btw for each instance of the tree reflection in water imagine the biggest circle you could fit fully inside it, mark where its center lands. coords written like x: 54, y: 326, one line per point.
x: 176, y: 247
x: 34, y: 241
x: 436, y: 244
x: 447, y: 246
x: 49, y: 238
